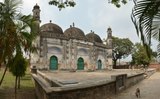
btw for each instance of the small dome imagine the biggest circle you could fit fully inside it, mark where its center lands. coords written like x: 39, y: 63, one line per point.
x: 36, y: 6
x: 51, y: 28
x: 74, y: 33
x: 109, y: 29
x: 92, y: 37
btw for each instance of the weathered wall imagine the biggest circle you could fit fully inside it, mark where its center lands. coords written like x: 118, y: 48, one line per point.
x: 96, y: 92
x: 103, y: 91
x: 132, y: 80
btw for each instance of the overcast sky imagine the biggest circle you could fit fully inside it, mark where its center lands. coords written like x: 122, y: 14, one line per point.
x: 96, y: 15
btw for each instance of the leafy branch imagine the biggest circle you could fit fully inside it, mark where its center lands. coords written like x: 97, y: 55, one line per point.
x: 62, y: 4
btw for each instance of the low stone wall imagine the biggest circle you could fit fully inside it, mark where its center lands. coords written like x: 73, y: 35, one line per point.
x: 121, y: 67
x: 95, y: 92
x: 134, y: 79
x: 91, y: 92
x: 101, y: 90
x: 155, y: 65
x: 149, y: 72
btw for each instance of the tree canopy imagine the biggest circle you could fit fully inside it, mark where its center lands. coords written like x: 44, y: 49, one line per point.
x: 122, y: 47
x: 140, y: 57
x: 62, y: 4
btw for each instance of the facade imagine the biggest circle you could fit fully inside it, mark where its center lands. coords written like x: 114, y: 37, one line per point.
x: 71, y: 49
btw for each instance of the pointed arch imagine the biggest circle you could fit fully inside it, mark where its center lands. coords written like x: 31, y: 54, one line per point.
x: 80, y: 63
x: 99, y: 65
x: 53, y: 63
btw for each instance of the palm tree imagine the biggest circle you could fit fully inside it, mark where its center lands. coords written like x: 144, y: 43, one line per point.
x: 16, y: 31
x: 146, y: 18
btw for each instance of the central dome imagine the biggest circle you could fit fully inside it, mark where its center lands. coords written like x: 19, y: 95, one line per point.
x: 75, y: 33
x: 51, y: 27
x: 92, y: 37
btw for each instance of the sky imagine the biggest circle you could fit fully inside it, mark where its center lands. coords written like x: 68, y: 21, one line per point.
x: 95, y: 15
x: 88, y: 15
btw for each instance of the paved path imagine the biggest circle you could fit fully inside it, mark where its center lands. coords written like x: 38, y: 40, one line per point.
x: 150, y: 89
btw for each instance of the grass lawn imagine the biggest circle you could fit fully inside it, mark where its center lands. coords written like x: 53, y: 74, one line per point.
x: 26, y: 91
x: 9, y: 80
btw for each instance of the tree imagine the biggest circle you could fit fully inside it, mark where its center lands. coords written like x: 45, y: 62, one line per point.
x: 121, y: 48
x: 17, y: 66
x: 139, y: 55
x: 16, y: 31
x: 146, y: 18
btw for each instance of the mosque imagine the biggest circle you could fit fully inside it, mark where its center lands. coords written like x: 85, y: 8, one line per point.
x: 71, y: 49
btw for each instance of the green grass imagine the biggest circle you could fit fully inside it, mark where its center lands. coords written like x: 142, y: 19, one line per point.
x: 9, y: 80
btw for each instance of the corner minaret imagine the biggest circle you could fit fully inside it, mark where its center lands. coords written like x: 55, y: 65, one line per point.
x: 36, y: 15
x: 109, y: 47
x: 109, y: 38
x: 36, y: 12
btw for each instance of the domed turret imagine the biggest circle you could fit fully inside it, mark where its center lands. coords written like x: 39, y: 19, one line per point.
x: 74, y: 33
x: 92, y: 37
x: 36, y: 12
x: 36, y: 7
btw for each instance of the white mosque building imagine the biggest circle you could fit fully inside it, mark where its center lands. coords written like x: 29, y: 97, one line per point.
x: 71, y: 49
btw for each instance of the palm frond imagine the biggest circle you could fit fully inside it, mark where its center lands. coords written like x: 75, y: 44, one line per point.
x: 144, y: 14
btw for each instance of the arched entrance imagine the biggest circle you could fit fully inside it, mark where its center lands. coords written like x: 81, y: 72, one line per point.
x: 99, y: 64
x: 53, y: 63
x: 80, y: 64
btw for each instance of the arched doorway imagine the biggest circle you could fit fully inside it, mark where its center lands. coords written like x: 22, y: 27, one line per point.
x: 53, y: 63
x: 99, y: 64
x: 80, y: 64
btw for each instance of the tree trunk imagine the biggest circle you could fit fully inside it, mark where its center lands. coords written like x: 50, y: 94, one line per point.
x: 0, y: 66
x: 19, y: 82
x: 29, y: 60
x: 16, y: 87
x: 3, y: 75
x: 114, y: 64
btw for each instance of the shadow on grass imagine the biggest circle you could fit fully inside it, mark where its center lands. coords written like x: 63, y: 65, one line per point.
x: 26, y: 78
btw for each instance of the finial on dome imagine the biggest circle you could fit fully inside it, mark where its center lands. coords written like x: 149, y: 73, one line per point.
x: 50, y: 21
x: 73, y: 24
x: 109, y: 28
x: 36, y: 6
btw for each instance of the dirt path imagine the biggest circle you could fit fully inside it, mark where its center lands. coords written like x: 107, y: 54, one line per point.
x: 150, y: 89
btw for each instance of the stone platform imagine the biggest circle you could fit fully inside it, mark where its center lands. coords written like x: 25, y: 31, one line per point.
x: 84, y: 84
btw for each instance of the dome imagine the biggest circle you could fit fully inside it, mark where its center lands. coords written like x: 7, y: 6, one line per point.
x: 51, y: 28
x: 92, y: 37
x: 74, y: 33
x: 36, y: 6
x: 109, y: 28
